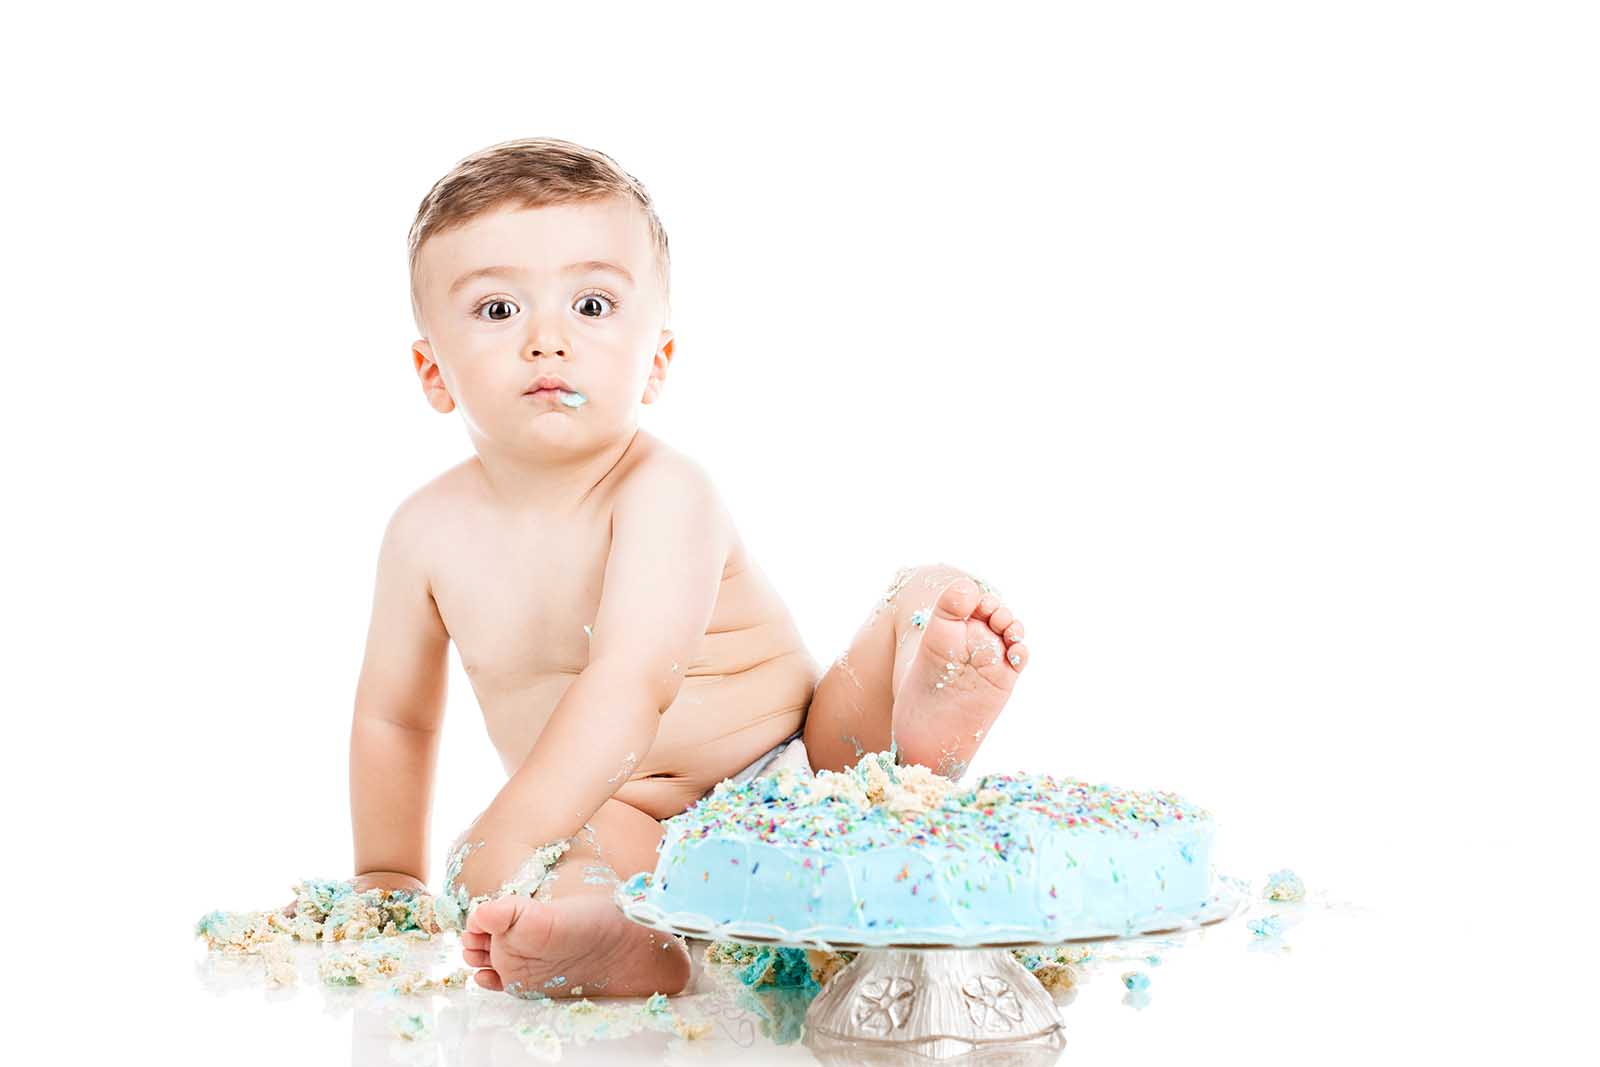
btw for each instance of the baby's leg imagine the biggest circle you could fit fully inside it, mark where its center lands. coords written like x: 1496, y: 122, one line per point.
x: 570, y: 939
x: 930, y: 670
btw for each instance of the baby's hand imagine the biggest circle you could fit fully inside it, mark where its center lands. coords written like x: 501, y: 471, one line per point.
x: 387, y: 880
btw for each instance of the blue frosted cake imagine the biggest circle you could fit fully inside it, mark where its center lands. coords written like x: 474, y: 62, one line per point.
x: 884, y: 854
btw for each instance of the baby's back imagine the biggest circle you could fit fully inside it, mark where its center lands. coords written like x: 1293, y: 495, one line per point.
x: 517, y: 591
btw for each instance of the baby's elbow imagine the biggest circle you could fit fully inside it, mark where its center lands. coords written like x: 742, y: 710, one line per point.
x: 664, y: 692
x: 653, y: 687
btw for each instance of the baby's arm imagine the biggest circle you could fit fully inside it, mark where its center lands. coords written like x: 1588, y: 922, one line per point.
x: 669, y: 542
x: 394, y: 739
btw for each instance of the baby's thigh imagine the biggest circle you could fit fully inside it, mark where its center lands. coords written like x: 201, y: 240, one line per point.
x: 618, y: 842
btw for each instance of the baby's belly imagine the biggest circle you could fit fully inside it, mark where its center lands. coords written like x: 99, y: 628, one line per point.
x: 715, y: 727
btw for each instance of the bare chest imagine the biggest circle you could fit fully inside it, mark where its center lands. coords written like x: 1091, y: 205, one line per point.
x: 516, y: 605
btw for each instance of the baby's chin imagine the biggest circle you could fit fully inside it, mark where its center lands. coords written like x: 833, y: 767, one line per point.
x: 562, y: 429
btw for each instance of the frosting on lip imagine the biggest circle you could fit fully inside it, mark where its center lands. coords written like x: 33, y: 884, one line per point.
x: 569, y: 397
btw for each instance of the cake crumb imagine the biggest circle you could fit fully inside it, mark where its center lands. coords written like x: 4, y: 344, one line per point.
x: 1284, y: 885
x: 874, y: 782
x: 279, y: 958
x: 661, y: 1016
x: 765, y: 965
x: 539, y: 1041
x: 1056, y: 977
x: 358, y: 965
x: 1265, y: 927
x: 412, y: 1026
x: 411, y: 983
x: 824, y: 965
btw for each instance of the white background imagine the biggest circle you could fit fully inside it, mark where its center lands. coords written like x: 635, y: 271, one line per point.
x: 1248, y: 349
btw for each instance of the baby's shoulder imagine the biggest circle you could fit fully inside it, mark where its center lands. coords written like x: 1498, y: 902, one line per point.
x: 659, y: 469
x: 432, y: 506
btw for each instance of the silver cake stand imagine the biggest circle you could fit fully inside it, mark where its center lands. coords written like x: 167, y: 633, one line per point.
x: 905, y: 1001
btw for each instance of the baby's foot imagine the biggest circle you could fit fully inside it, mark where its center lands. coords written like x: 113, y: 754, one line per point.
x: 953, y: 688
x: 556, y: 948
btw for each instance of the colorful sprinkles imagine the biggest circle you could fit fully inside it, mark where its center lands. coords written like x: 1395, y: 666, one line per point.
x: 876, y: 804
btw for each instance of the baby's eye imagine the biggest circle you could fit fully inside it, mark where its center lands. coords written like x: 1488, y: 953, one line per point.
x: 496, y: 303
x: 585, y: 299
x: 589, y: 297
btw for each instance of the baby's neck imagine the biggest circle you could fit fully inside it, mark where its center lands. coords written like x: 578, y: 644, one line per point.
x: 520, y: 482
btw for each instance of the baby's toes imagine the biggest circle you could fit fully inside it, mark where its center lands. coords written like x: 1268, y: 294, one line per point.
x: 475, y: 957
x: 1001, y: 618
x: 1017, y: 656
x: 489, y: 979
x: 959, y: 601
x: 986, y: 606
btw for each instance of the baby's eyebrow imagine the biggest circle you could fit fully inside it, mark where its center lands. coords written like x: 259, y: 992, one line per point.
x: 515, y: 272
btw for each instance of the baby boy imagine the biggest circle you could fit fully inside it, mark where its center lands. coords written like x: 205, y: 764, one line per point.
x: 627, y: 652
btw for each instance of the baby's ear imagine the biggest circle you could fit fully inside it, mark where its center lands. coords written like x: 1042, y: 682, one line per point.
x: 658, y: 368
x: 432, y: 384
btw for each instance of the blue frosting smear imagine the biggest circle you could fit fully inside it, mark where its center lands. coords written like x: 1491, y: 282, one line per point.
x: 895, y: 853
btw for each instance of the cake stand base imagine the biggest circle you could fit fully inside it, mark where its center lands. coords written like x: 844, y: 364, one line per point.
x: 892, y: 1005
x: 930, y: 999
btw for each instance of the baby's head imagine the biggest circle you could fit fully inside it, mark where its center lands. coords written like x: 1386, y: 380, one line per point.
x: 540, y: 258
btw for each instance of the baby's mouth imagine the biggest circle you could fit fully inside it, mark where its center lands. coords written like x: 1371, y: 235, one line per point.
x: 567, y: 397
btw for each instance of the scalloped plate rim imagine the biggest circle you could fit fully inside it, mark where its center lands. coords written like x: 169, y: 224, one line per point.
x: 1229, y: 897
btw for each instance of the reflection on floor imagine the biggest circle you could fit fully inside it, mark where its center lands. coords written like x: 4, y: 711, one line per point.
x: 719, y: 1018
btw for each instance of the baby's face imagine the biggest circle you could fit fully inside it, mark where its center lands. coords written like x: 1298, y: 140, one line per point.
x: 568, y: 291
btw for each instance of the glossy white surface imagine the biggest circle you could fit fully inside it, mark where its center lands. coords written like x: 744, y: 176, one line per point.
x: 1335, y: 973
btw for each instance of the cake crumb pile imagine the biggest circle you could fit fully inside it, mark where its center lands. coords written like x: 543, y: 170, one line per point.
x: 361, y: 965
x: 325, y: 910
x: 330, y: 910
x: 1056, y: 968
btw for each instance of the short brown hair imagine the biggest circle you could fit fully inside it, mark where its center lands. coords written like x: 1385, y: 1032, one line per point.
x: 530, y: 172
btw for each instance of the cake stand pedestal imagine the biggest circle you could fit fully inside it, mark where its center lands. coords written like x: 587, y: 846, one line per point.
x: 934, y: 1003
x: 911, y: 1002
